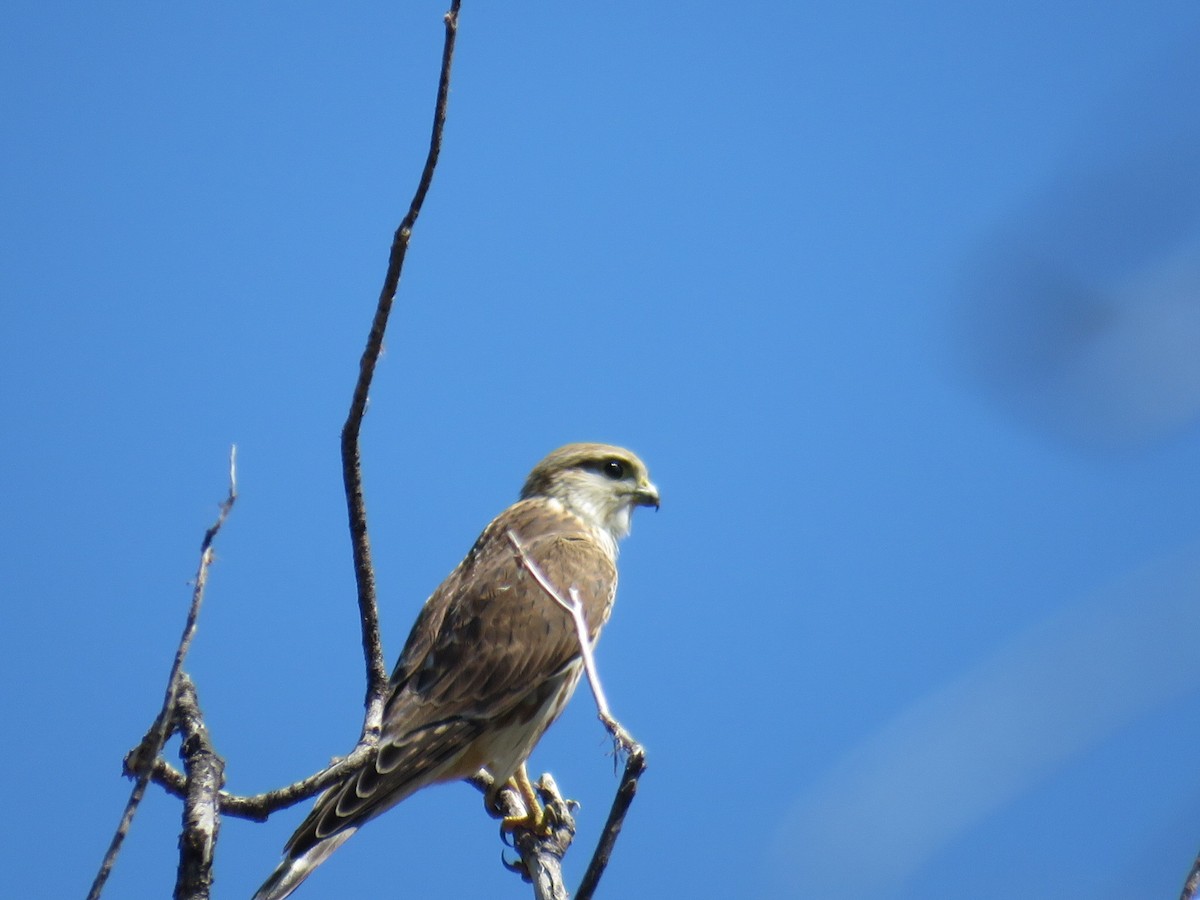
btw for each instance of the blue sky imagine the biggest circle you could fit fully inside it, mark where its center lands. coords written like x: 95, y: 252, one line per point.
x: 898, y: 302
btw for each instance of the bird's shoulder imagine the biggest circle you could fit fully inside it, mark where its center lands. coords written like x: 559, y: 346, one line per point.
x: 545, y: 530
x: 491, y: 596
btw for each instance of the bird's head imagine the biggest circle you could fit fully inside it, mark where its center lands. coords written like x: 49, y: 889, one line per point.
x: 598, y: 482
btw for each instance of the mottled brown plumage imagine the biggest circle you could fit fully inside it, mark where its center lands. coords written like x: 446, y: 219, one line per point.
x: 492, y: 659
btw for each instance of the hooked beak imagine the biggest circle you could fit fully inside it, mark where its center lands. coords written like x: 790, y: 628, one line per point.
x: 646, y: 495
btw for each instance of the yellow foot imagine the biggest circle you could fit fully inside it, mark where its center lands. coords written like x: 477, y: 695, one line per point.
x: 534, y: 818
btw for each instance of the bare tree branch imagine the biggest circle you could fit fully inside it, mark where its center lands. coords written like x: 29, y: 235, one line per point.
x: 364, y: 572
x: 541, y: 855
x: 145, y: 762
x: 635, y: 765
x: 201, y: 808
x: 574, y: 608
x: 204, y: 802
x: 151, y: 746
x: 259, y: 806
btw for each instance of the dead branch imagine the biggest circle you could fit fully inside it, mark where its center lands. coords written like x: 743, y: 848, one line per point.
x: 635, y: 764
x: 201, y: 808
x: 364, y: 572
x: 142, y: 765
x: 623, y: 739
x: 199, y: 785
x: 259, y: 806
x: 540, y: 855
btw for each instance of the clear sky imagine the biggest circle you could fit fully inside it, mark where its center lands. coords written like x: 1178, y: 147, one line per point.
x: 899, y: 302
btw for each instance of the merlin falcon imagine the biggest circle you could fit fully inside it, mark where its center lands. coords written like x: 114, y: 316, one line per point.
x: 493, y: 658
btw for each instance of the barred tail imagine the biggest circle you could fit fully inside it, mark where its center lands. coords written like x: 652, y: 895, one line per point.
x: 293, y: 870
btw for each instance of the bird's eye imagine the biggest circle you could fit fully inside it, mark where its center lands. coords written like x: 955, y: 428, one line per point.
x: 613, y: 469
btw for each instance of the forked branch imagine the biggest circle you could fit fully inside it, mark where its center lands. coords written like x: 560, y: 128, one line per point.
x: 145, y: 763
x: 260, y: 806
x: 201, y: 806
x: 541, y: 854
x: 141, y: 762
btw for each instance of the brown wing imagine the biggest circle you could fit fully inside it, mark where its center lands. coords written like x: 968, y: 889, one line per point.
x: 486, y: 641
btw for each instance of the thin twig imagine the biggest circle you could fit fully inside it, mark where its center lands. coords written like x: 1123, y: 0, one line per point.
x: 635, y: 764
x: 152, y: 744
x: 201, y: 808
x: 364, y: 572
x: 258, y: 807
x: 574, y: 608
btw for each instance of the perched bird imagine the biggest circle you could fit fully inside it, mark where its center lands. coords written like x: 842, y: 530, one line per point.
x: 493, y: 658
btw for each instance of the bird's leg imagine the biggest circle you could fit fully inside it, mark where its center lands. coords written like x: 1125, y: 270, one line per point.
x: 535, y: 816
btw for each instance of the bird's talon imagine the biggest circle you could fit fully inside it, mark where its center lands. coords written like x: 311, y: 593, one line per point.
x: 517, y: 867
